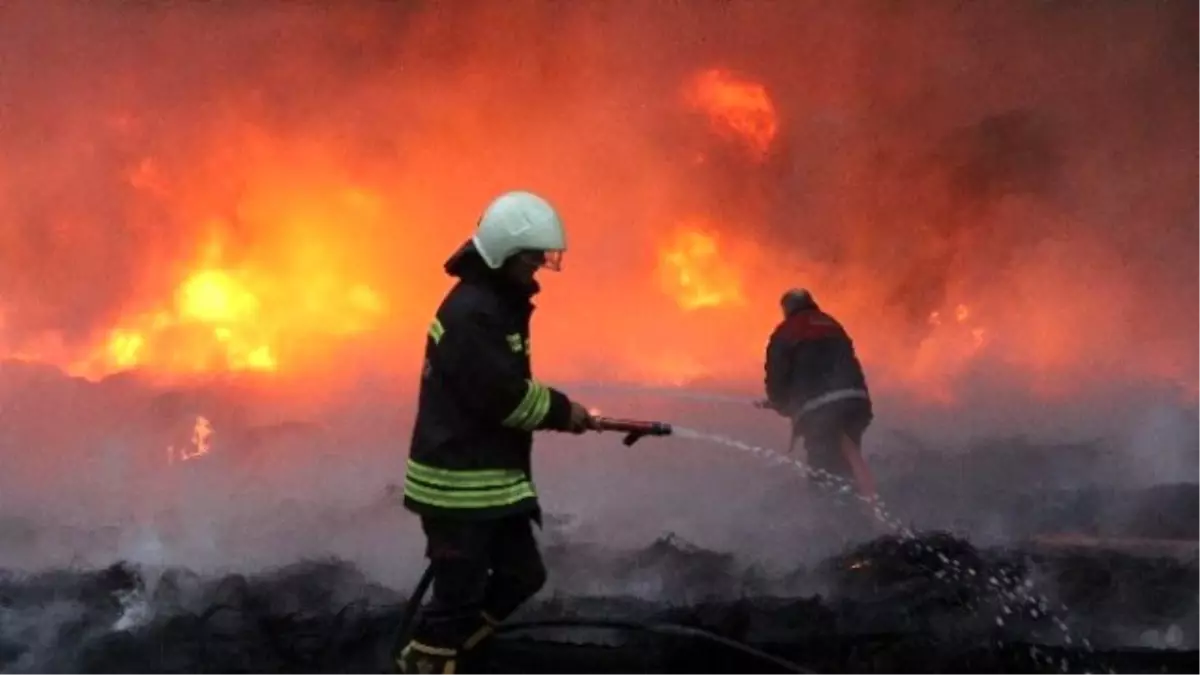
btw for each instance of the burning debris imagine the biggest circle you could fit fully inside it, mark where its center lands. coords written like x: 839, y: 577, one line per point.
x: 199, y: 446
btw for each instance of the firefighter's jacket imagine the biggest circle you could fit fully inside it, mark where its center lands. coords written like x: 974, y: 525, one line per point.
x: 811, y: 364
x: 479, y: 404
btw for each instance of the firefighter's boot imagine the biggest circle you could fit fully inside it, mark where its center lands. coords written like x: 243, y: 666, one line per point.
x: 474, y: 653
x: 417, y: 657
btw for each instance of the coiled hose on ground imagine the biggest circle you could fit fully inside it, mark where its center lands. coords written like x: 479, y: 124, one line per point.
x: 412, y: 610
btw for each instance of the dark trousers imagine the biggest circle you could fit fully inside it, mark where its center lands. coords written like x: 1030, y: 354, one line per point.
x: 825, y: 432
x: 482, y: 572
x: 833, y: 442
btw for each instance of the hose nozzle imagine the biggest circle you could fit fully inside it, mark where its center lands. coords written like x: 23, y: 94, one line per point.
x: 634, y: 430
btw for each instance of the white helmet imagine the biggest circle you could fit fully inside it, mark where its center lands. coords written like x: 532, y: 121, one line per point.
x: 519, y: 221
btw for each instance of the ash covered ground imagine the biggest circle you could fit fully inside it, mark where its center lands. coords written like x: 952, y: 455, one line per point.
x: 284, y: 548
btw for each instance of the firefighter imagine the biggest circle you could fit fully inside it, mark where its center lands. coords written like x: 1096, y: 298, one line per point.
x: 469, y: 468
x: 814, y: 378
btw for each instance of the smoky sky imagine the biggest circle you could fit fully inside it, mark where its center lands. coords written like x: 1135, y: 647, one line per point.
x: 1035, y: 150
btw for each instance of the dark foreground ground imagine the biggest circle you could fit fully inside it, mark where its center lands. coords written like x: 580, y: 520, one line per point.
x: 931, y: 605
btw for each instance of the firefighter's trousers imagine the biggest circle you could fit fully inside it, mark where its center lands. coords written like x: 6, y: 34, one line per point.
x: 482, y: 572
x: 825, y: 433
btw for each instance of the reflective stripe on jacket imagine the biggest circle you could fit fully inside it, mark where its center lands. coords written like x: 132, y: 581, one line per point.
x: 811, y: 363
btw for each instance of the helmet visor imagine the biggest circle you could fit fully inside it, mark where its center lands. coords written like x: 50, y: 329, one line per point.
x: 552, y: 260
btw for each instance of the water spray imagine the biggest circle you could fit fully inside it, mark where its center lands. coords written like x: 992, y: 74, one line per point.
x: 1015, y: 594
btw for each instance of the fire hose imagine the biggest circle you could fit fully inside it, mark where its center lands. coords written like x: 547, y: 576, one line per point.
x: 412, y: 610
x: 634, y: 431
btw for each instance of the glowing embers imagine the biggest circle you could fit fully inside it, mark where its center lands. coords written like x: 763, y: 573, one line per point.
x: 960, y: 319
x: 954, y: 338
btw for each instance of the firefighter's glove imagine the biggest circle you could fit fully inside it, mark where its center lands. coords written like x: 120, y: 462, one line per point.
x: 581, y: 420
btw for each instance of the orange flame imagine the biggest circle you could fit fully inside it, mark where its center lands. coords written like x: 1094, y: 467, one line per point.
x: 327, y: 211
x: 696, y: 275
x: 224, y: 319
x: 292, y: 296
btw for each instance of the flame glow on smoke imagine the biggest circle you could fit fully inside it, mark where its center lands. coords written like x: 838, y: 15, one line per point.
x: 215, y: 207
x: 735, y: 106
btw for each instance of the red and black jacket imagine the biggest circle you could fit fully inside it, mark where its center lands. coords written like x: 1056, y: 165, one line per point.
x: 479, y: 404
x: 811, y: 363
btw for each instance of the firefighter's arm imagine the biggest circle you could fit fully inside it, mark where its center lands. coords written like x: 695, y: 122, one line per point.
x: 778, y: 368
x: 476, y: 360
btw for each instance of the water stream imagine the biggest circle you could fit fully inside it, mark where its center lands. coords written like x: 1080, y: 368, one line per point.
x: 1017, y: 596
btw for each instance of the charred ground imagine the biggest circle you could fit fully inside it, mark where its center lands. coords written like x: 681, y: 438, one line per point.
x: 888, y: 607
x: 1067, y: 516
